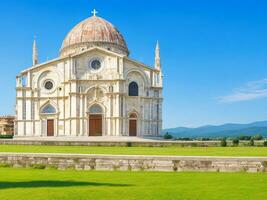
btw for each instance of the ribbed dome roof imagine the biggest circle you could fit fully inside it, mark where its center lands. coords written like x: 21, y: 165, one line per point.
x: 94, y: 31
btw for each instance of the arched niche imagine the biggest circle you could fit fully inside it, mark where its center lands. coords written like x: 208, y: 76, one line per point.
x: 138, y: 78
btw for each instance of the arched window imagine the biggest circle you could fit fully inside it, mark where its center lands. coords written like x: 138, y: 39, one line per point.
x: 95, y: 109
x: 49, y: 109
x: 133, y: 89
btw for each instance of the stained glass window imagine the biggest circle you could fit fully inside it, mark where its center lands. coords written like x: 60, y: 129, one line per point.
x: 49, y: 109
x: 95, y: 64
x: 95, y: 109
x: 133, y: 89
x: 49, y: 85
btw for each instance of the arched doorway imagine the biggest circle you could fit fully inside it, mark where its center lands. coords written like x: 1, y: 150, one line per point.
x: 133, y: 125
x: 49, y: 112
x: 95, y: 120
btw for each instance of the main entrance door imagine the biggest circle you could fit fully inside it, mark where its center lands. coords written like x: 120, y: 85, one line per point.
x: 50, y: 127
x: 95, y: 125
x: 132, y: 127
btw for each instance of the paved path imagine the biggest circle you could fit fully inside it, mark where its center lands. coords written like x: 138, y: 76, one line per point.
x: 92, y: 139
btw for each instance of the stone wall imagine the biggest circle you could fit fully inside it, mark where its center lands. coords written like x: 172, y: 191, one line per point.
x: 154, y: 143
x: 133, y: 163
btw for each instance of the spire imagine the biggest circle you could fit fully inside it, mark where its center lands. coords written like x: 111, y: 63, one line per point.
x: 157, y: 57
x: 34, y: 52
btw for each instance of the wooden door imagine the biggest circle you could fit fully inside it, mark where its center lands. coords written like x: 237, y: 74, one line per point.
x: 132, y: 127
x: 95, y: 125
x: 50, y: 127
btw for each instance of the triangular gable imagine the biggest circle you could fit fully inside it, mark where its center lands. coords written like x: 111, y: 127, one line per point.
x: 84, y: 52
x: 98, y: 49
x: 140, y: 64
x: 114, y: 54
x: 43, y: 64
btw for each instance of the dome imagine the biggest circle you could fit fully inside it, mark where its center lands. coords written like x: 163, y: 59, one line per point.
x: 94, y: 31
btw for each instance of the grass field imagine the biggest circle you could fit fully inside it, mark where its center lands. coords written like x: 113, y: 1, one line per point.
x: 25, y: 184
x: 181, y: 151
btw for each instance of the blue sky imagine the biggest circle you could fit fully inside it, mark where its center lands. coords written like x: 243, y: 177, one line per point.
x: 214, y: 53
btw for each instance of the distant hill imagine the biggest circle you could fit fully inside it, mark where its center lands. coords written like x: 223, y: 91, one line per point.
x: 225, y: 130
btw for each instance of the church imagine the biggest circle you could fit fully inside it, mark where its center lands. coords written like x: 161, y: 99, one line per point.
x: 93, y: 88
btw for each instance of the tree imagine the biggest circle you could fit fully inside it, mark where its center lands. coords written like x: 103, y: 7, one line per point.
x: 251, y: 142
x: 244, y: 137
x: 257, y: 137
x: 223, y: 142
x: 235, y: 142
x: 167, y: 136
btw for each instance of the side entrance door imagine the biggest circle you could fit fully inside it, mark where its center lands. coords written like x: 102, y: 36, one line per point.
x: 132, y: 127
x: 50, y: 127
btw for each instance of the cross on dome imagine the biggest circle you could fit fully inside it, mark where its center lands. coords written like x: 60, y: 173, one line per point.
x: 94, y: 12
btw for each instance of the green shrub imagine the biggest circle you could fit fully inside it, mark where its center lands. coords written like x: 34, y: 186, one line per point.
x: 184, y: 139
x: 223, y: 142
x: 5, y: 165
x: 167, y: 136
x: 193, y: 144
x: 52, y: 167
x: 205, y: 139
x: 129, y: 144
x: 6, y: 136
x: 257, y: 137
x: 265, y: 143
x: 235, y: 142
x: 38, y: 166
x: 251, y: 142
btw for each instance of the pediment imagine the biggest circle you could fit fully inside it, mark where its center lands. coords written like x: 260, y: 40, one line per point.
x: 95, y: 50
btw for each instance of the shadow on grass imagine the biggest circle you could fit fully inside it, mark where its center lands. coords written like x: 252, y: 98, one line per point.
x: 37, y: 184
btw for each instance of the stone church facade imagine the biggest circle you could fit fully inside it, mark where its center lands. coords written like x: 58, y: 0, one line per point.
x: 92, y: 89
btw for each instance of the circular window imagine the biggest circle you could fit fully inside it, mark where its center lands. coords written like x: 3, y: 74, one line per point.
x: 48, y: 85
x: 95, y: 64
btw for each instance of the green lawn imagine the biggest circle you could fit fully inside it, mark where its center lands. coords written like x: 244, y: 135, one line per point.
x: 25, y: 184
x: 182, y: 151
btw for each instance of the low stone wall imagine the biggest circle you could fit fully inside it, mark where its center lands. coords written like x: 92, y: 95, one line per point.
x: 133, y: 143
x: 155, y: 143
x: 134, y: 163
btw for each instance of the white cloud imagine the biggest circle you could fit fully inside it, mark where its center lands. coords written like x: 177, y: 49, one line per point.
x: 250, y: 91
